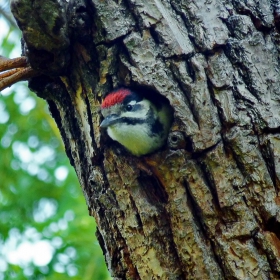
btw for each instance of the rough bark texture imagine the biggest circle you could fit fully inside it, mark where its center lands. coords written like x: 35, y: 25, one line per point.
x: 207, y: 205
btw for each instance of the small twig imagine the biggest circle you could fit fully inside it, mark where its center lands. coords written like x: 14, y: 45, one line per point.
x: 6, y: 63
x: 14, y: 70
x: 8, y: 73
x: 19, y: 75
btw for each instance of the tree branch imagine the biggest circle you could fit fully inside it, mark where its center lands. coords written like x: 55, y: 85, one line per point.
x: 18, y: 71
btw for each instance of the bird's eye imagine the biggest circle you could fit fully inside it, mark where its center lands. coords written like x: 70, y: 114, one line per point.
x: 128, y: 108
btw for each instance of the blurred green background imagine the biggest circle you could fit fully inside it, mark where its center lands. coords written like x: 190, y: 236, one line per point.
x: 45, y: 229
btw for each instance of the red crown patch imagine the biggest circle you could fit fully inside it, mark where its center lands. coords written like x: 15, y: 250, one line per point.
x: 115, y: 97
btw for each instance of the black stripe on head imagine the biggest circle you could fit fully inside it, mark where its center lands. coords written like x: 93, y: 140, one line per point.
x: 152, y: 95
x: 136, y: 107
x: 132, y: 97
x: 156, y: 126
x: 131, y: 121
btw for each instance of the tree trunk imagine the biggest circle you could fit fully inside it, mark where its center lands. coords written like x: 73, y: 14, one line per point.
x: 206, y: 206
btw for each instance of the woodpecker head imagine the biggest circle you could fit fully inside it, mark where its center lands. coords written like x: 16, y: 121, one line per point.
x: 136, y: 122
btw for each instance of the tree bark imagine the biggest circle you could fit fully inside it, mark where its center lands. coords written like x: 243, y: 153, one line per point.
x: 207, y: 205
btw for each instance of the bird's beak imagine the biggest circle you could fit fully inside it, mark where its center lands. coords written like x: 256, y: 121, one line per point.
x: 109, y: 120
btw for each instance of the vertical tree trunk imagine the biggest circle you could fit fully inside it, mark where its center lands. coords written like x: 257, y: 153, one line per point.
x: 207, y: 205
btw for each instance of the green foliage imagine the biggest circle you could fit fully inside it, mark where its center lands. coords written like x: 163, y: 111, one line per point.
x: 45, y: 229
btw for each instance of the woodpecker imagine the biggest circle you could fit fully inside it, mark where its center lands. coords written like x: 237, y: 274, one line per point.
x: 137, y: 123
